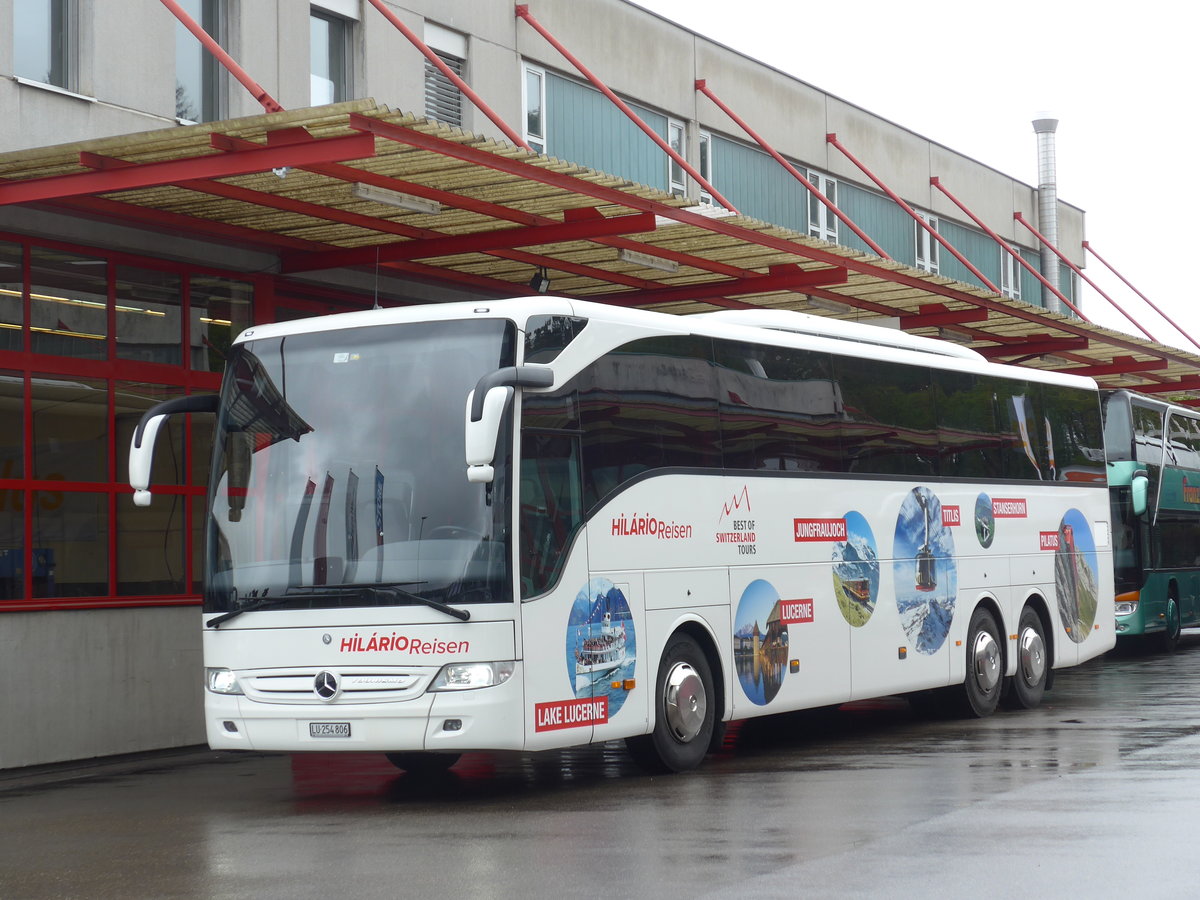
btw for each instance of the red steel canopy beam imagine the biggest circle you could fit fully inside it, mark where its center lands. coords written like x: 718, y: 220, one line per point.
x: 702, y: 87
x: 935, y: 315
x: 1088, y: 248
x: 779, y: 278
x: 574, y: 229
x: 454, y: 77
x: 522, y: 11
x: 256, y: 90
x: 156, y: 174
x: 937, y: 183
x: 1030, y: 348
x: 1121, y: 365
x: 567, y: 181
x: 833, y: 139
x: 1191, y: 383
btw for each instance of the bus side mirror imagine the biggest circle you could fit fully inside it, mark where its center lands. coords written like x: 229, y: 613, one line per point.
x: 1139, y: 490
x: 485, y: 409
x: 141, y: 446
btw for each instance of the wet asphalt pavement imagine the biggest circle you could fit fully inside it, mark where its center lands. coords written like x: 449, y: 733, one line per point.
x: 1096, y: 793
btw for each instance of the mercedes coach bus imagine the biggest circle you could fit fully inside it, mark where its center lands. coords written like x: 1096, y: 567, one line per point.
x: 539, y: 523
x: 1153, y: 451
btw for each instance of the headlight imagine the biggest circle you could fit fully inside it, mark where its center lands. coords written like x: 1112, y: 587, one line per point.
x: 1126, y: 608
x: 222, y: 681
x: 468, y: 676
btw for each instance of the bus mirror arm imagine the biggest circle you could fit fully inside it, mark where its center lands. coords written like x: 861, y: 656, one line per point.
x: 1139, y: 490
x: 485, y: 408
x: 141, y: 446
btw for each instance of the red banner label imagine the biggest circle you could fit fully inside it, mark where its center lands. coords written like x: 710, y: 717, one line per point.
x: 1048, y: 540
x: 570, y: 713
x: 1009, y: 509
x: 951, y: 516
x: 820, y: 529
x: 795, y: 612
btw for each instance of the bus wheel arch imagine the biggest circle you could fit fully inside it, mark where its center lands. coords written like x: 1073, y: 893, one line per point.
x: 1033, y: 657
x: 688, y: 698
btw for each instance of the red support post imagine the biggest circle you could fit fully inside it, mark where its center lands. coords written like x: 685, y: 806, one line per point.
x: 1089, y: 249
x: 702, y: 87
x: 937, y: 183
x: 455, y: 79
x: 523, y: 13
x: 1078, y: 271
x: 832, y: 139
x: 257, y: 91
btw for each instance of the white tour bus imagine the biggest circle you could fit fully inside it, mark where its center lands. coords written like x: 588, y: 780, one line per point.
x: 537, y: 523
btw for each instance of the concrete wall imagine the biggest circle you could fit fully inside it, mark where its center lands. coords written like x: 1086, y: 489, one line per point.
x: 87, y: 683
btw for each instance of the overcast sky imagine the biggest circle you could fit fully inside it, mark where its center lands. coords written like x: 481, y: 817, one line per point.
x: 1121, y: 78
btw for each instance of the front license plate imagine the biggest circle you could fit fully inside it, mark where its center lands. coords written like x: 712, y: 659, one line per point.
x: 329, y: 729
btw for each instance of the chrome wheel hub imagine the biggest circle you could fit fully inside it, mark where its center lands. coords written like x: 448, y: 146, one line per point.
x: 987, y: 662
x: 1032, y: 651
x: 684, y: 701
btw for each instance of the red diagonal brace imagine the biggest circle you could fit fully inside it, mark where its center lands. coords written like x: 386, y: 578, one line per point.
x: 702, y: 87
x: 1015, y: 254
x: 1090, y: 249
x: 256, y: 90
x: 832, y: 139
x: 522, y: 11
x: 477, y: 242
x: 457, y: 81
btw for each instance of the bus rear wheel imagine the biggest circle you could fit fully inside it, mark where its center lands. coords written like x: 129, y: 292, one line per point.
x: 423, y: 763
x: 1027, y: 686
x: 684, y: 711
x: 985, y: 666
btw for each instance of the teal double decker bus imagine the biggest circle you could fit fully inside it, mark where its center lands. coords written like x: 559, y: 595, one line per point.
x: 1153, y: 452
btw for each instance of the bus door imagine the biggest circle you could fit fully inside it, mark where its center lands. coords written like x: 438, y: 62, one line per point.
x: 557, y: 602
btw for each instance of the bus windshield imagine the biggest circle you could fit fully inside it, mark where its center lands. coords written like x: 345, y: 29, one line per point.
x: 339, y: 477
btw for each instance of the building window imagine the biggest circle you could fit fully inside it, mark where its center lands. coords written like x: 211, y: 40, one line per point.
x: 534, y: 101
x: 443, y: 100
x: 926, y: 245
x: 1010, y: 274
x: 705, y: 167
x: 42, y: 41
x: 197, y: 73
x: 329, y: 42
x: 822, y: 223
x: 677, y: 139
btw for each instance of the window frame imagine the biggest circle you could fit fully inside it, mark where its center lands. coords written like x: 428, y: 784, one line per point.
x: 340, y: 30
x: 926, y: 249
x: 822, y: 223
x: 539, y: 142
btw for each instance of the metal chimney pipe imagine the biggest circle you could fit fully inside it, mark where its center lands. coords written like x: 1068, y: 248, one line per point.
x: 1045, y: 126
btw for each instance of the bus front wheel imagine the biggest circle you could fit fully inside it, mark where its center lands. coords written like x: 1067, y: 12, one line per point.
x: 985, y: 666
x: 684, y: 711
x: 1168, y: 639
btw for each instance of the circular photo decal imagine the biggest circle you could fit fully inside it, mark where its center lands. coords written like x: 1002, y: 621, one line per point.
x: 601, y: 644
x: 760, y: 642
x: 1075, y: 571
x: 925, y: 572
x: 856, y: 571
x: 985, y: 520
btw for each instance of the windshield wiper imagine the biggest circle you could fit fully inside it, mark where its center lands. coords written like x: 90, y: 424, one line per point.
x: 261, y: 603
x: 394, y: 591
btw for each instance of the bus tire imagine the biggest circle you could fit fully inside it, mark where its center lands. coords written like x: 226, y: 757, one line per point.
x: 684, y: 711
x: 984, y: 681
x: 417, y: 763
x: 1028, y: 684
x: 1168, y: 639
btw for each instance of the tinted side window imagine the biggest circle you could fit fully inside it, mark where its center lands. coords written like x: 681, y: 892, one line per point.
x: 971, y: 441
x: 780, y: 408
x: 647, y: 405
x: 889, y: 427
x: 1074, y: 442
